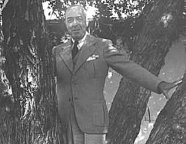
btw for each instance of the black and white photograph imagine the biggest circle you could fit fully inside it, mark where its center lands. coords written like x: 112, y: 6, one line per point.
x: 92, y: 71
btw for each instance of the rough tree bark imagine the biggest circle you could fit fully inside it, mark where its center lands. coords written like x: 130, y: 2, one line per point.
x: 151, y: 46
x: 32, y: 116
x: 170, y: 126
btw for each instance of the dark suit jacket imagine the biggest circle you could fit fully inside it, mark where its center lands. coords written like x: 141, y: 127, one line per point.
x: 82, y: 85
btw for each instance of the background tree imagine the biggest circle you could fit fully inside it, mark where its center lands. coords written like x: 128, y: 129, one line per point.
x: 161, y: 27
x: 29, y: 113
x: 170, y: 126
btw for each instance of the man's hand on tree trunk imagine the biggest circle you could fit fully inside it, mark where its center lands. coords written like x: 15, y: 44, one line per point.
x: 165, y: 87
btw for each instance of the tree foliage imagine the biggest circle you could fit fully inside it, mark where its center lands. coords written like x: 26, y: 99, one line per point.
x: 111, y: 19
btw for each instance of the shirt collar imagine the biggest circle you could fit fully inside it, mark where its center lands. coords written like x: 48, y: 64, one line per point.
x: 82, y: 41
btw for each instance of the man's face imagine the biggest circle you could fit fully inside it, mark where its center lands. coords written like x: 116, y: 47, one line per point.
x: 76, y: 22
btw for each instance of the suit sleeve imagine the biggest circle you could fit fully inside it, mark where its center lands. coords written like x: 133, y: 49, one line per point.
x: 120, y: 63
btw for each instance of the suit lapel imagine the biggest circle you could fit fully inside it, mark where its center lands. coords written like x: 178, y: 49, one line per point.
x: 86, y: 50
x: 66, y: 55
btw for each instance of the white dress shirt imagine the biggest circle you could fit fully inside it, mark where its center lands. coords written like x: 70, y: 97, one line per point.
x: 81, y: 42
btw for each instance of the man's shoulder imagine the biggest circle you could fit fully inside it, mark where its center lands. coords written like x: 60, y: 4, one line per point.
x: 99, y: 39
x: 103, y: 41
x: 61, y: 47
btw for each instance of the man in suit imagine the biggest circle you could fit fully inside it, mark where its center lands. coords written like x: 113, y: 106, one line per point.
x: 81, y: 68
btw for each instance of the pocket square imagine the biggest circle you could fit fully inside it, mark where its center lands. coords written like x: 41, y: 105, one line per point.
x: 93, y: 57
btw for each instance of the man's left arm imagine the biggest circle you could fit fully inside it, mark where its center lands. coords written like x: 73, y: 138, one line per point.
x: 120, y: 62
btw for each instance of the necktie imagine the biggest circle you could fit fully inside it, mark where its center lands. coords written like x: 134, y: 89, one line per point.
x: 75, y: 49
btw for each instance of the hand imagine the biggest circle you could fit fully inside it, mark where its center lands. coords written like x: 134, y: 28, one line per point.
x: 165, y: 87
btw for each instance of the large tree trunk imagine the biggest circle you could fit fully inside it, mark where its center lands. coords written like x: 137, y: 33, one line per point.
x: 32, y: 115
x: 150, y: 49
x: 170, y: 126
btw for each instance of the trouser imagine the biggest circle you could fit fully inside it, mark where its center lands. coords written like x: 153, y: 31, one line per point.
x: 76, y: 136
